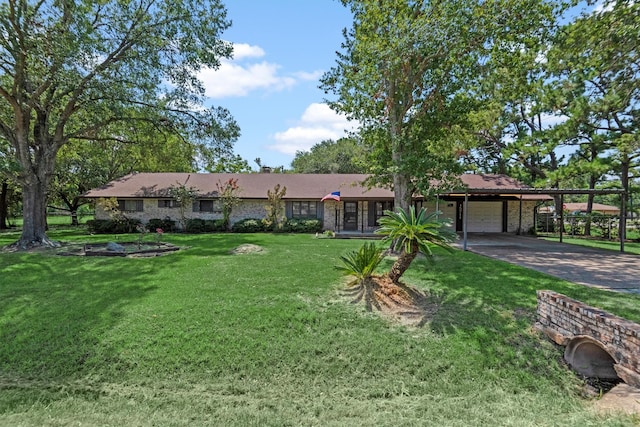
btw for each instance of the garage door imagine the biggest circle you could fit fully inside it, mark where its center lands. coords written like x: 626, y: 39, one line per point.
x: 484, y: 217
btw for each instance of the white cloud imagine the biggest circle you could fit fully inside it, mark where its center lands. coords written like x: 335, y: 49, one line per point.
x: 603, y: 6
x: 318, y: 123
x: 314, y: 75
x: 244, y: 50
x: 243, y: 74
x: 232, y: 79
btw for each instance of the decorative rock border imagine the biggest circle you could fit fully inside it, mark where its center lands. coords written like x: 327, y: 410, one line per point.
x: 101, y: 249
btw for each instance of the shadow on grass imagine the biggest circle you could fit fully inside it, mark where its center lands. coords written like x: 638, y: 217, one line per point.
x: 55, y: 310
x: 409, y: 305
x: 482, y: 284
x: 493, y: 304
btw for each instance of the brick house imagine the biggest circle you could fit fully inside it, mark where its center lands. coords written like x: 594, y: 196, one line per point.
x: 146, y: 196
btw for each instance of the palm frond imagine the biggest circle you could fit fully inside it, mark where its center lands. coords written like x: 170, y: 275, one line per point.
x: 361, y: 263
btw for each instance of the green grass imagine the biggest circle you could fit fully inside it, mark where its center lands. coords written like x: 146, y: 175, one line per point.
x: 629, y: 247
x: 201, y: 337
x: 56, y: 221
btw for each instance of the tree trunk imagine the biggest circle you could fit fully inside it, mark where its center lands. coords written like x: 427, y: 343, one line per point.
x: 590, y: 197
x: 401, y: 192
x: 402, y: 264
x: 625, y: 165
x: 74, y: 216
x: 34, y: 215
x: 559, y: 226
x: 4, y: 209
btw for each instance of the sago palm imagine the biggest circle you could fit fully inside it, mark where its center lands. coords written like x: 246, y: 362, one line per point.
x: 411, y: 233
x: 361, y: 264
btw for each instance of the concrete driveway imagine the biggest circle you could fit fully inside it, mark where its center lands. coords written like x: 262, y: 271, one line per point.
x: 586, y: 266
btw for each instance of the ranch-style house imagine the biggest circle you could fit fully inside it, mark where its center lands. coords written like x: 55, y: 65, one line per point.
x: 353, y: 207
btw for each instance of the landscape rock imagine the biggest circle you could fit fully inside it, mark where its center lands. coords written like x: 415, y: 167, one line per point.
x: 114, y: 247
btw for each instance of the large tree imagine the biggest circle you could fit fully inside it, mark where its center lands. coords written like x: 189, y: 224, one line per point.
x: 82, y: 165
x: 410, y: 71
x: 79, y: 70
x: 393, y: 73
x: 597, y: 64
x: 410, y: 74
x: 346, y: 155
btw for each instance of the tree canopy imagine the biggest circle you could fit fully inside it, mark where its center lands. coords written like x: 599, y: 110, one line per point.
x: 83, y: 70
x: 410, y: 72
x: 346, y: 155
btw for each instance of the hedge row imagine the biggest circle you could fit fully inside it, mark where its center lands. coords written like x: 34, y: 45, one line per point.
x: 254, y: 225
x: 196, y: 225
x: 108, y: 226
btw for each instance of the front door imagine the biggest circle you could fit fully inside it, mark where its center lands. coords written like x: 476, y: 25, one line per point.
x: 350, y: 216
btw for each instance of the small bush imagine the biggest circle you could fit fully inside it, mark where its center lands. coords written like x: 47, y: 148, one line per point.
x: 295, y: 225
x: 165, y: 224
x: 249, y: 225
x: 99, y: 226
x: 194, y: 225
x: 214, y: 225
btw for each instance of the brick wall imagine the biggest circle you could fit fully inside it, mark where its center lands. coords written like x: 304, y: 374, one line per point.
x: 563, y: 319
x: 513, y: 214
x: 245, y: 209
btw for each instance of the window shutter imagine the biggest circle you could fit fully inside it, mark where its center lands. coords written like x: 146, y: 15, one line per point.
x: 196, y: 206
x: 121, y: 206
x: 139, y: 205
x: 288, y: 209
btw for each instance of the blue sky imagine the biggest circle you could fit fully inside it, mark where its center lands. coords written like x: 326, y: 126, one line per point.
x: 281, y: 49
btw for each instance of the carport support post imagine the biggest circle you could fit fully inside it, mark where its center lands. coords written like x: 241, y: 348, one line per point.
x: 561, y: 224
x: 622, y: 227
x: 464, y: 221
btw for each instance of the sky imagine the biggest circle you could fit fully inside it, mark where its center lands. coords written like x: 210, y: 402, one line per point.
x: 281, y: 49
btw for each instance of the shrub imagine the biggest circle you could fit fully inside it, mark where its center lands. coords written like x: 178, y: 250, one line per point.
x: 249, y: 225
x: 295, y: 225
x: 127, y: 225
x: 194, y: 225
x: 214, y: 225
x: 165, y: 224
x: 99, y: 226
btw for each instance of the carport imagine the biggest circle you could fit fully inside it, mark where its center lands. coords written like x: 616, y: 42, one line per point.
x: 544, y: 191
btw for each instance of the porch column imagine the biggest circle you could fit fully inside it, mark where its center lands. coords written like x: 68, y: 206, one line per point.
x: 520, y: 217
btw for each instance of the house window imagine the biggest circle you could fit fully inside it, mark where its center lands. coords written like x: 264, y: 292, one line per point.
x: 380, y: 208
x: 168, y: 203
x: 129, y: 205
x: 205, y: 206
x: 304, y: 210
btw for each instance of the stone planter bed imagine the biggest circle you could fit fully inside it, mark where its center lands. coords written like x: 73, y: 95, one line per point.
x: 128, y: 249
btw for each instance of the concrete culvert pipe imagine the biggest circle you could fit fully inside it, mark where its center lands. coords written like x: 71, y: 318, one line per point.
x: 589, y: 358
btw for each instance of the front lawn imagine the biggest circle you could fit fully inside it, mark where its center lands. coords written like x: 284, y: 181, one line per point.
x: 202, y: 337
x: 612, y: 245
